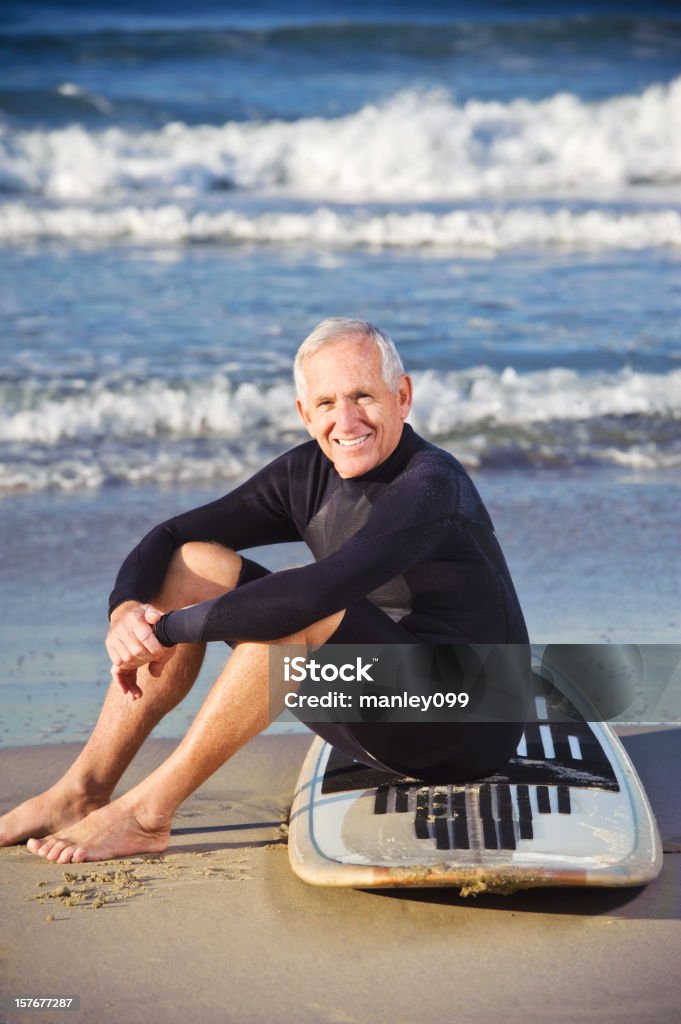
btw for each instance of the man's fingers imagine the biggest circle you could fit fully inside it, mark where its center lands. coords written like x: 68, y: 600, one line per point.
x: 121, y: 656
x: 152, y: 615
x: 131, y: 643
x: 136, y: 652
x: 117, y: 652
x: 133, y: 638
x: 144, y: 639
x: 127, y: 680
x: 132, y: 649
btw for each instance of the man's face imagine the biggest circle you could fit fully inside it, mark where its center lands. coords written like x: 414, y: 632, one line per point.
x: 349, y: 409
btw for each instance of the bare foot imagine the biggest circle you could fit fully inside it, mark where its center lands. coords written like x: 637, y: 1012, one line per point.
x: 117, y: 830
x: 56, y: 808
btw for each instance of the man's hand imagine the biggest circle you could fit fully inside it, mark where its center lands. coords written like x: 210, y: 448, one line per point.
x: 131, y: 643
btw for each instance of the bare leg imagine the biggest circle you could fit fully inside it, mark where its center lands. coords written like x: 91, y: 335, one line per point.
x: 236, y: 709
x: 197, y: 573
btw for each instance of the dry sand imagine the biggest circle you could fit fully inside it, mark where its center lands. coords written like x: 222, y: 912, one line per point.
x: 219, y: 929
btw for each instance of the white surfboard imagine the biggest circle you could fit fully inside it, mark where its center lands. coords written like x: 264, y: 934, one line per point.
x: 568, y: 809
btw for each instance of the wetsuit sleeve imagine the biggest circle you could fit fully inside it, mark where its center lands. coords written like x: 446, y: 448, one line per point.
x: 404, y: 528
x: 257, y: 512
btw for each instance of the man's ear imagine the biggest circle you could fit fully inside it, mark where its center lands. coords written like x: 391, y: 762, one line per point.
x: 305, y: 417
x: 405, y: 393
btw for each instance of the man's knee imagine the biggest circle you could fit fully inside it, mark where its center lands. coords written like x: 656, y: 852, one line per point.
x: 198, y: 571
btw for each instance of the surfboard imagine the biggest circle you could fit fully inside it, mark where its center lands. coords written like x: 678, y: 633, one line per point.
x: 567, y: 810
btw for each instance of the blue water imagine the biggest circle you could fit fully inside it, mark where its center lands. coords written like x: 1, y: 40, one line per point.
x: 225, y: 63
x: 184, y: 193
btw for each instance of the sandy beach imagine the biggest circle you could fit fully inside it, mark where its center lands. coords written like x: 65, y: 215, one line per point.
x: 219, y: 928
x: 185, y: 190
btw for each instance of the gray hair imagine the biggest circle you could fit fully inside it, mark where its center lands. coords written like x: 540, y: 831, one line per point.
x: 334, y: 328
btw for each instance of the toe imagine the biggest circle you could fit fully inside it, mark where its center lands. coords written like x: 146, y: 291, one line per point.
x: 66, y: 855
x: 55, y: 850
x: 42, y: 846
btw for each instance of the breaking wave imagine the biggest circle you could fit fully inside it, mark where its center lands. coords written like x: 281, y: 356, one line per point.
x: 497, y: 230
x: 78, y: 437
x: 413, y: 147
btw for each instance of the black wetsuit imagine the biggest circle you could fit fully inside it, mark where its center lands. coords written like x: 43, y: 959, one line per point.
x: 408, y: 549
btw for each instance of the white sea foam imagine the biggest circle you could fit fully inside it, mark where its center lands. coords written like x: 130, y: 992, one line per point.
x: 214, y: 430
x: 152, y: 410
x: 414, y: 146
x: 444, y: 402
x: 458, y: 230
x: 89, y: 470
x: 481, y: 396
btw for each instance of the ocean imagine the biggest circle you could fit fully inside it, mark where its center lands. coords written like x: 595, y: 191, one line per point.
x: 185, y: 190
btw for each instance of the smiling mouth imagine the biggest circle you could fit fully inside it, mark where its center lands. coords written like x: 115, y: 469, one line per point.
x: 353, y: 443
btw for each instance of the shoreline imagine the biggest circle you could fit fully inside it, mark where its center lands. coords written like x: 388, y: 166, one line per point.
x: 218, y: 928
x: 52, y: 710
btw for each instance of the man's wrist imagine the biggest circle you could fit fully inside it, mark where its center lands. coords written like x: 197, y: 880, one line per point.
x: 160, y: 631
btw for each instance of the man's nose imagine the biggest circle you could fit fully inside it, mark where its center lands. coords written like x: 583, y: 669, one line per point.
x: 346, y: 415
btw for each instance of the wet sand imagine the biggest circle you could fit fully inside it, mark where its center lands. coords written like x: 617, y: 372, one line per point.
x: 219, y: 929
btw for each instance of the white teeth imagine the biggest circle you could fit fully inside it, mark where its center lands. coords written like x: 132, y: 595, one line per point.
x: 350, y: 444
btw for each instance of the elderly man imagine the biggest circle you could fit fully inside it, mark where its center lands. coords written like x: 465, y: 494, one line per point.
x: 405, y: 554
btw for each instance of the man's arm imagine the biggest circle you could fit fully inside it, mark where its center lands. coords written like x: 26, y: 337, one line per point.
x: 257, y: 512
x: 406, y: 525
